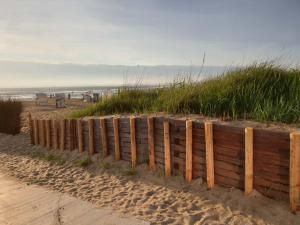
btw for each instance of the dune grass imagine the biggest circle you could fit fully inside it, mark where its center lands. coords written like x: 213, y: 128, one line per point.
x: 261, y: 92
x: 10, y: 120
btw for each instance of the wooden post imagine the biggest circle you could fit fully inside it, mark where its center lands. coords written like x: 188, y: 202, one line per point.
x: 31, y: 131
x: 294, y: 171
x: 167, y: 148
x: 36, y: 132
x: 62, y: 134
x: 248, y: 160
x: 43, y: 133
x: 103, y: 137
x: 209, y: 155
x: 80, y: 135
x: 133, y: 142
x: 117, y: 138
x: 151, y: 143
x: 48, y: 133
x: 91, y: 136
x: 55, y: 138
x: 189, y: 151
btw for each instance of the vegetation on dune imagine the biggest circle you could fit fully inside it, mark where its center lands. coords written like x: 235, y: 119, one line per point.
x: 262, y: 92
x: 10, y: 120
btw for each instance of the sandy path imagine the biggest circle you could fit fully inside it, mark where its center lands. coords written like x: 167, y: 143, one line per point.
x: 29, y: 204
x: 147, y: 195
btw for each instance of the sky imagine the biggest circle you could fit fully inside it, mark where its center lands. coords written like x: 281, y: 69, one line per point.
x: 88, y: 33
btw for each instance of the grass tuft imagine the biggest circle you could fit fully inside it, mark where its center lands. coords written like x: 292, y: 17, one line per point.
x: 84, y: 162
x: 261, y: 92
x: 129, y: 172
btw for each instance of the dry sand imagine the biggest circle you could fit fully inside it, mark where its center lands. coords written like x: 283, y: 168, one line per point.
x: 147, y: 195
x: 50, y: 111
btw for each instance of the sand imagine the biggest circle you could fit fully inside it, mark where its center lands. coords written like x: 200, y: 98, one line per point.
x: 50, y: 111
x: 146, y: 195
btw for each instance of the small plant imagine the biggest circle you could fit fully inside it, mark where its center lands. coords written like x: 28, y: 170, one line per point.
x: 129, y: 172
x: 84, y: 162
x: 37, y: 154
x: 105, y: 165
x: 55, y: 159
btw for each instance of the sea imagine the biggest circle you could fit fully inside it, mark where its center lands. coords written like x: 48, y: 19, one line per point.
x: 29, y: 94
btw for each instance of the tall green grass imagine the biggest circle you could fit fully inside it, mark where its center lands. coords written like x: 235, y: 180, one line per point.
x: 261, y: 92
x: 10, y: 116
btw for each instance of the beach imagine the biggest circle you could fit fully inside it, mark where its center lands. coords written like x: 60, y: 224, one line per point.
x: 143, y: 194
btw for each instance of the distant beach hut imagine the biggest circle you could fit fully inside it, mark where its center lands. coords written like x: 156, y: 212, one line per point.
x: 87, y: 97
x: 95, y: 97
x: 60, y: 100
x: 41, y: 99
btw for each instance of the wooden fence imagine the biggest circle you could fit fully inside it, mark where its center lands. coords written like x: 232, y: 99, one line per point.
x: 241, y: 157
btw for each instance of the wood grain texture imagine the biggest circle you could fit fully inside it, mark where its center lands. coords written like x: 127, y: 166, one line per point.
x: 189, y: 151
x: 294, y: 171
x: 209, y: 155
x: 103, y: 137
x: 167, y: 148
x: 48, y: 133
x: 36, y: 132
x: 55, y: 135
x: 91, y: 136
x: 31, y: 129
x: 248, y: 160
x: 117, y: 138
x: 133, y: 142
x: 151, y: 143
x: 62, y: 134
x: 80, y: 135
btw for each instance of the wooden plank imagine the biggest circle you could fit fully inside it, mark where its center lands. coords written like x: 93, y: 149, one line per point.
x: 209, y: 155
x: 103, y: 137
x: 36, y: 132
x: 117, y: 138
x: 62, y: 134
x: 48, y: 133
x: 248, y: 160
x: 42, y: 132
x: 167, y: 148
x: 91, y: 136
x: 133, y: 142
x: 80, y: 135
x: 151, y: 143
x: 31, y: 131
x: 55, y: 138
x: 189, y: 151
x: 294, y: 171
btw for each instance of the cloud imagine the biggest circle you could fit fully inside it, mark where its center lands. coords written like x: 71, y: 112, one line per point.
x: 149, y: 32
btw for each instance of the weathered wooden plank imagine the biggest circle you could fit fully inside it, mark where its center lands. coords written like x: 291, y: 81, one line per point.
x: 36, y: 132
x: 209, y: 154
x: 117, y: 138
x: 103, y: 137
x: 167, y: 148
x: 151, y: 144
x: 62, y: 134
x: 91, y: 136
x: 55, y: 135
x: 189, y: 151
x: 248, y: 160
x: 48, y: 133
x: 133, y: 142
x: 294, y: 171
x: 80, y: 135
